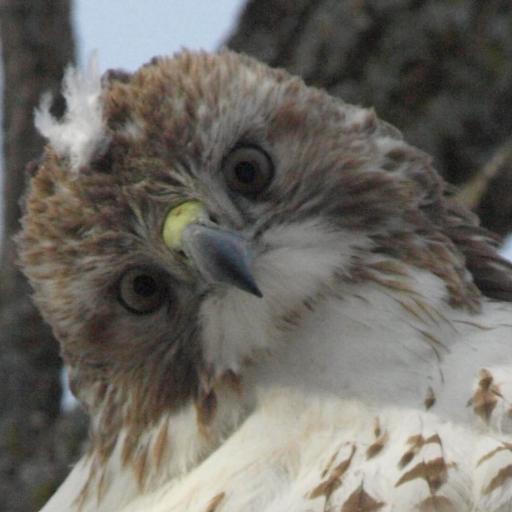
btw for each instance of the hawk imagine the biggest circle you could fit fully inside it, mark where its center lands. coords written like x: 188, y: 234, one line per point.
x: 266, y: 300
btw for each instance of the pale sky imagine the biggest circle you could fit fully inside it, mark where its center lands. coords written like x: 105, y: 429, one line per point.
x: 127, y: 33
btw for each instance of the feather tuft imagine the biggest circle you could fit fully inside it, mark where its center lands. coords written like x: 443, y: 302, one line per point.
x: 81, y: 134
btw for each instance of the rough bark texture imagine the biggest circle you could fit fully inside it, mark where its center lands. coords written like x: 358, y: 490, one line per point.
x: 440, y: 70
x: 35, y: 444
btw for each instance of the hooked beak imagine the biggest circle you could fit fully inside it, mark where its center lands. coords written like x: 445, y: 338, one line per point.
x: 220, y: 255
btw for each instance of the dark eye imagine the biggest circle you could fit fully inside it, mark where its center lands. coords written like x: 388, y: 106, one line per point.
x: 248, y: 170
x: 142, y: 290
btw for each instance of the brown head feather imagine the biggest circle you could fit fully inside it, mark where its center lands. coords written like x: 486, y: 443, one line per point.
x: 165, y: 132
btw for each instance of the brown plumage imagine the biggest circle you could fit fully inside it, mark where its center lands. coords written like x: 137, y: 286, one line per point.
x: 318, y: 188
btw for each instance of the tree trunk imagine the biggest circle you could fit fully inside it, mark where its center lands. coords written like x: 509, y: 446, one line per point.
x: 439, y: 70
x: 37, y: 45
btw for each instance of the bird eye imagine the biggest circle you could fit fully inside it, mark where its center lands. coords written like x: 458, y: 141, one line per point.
x: 248, y: 170
x: 142, y: 291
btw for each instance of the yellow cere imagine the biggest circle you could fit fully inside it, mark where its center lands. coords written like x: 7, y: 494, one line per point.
x: 178, y: 219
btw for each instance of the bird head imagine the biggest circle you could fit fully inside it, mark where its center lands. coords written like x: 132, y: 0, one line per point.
x: 185, y: 219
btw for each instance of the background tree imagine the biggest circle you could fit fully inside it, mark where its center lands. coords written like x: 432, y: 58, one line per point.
x: 438, y: 69
x: 37, y: 44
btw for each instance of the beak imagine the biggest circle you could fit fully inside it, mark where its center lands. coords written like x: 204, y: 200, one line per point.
x: 220, y: 255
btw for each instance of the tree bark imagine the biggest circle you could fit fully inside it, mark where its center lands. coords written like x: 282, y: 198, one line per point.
x: 439, y: 70
x: 37, y: 45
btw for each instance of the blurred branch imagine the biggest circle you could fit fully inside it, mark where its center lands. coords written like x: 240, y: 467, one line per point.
x: 472, y: 193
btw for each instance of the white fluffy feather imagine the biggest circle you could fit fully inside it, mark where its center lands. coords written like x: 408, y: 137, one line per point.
x: 275, y: 462
x: 81, y: 132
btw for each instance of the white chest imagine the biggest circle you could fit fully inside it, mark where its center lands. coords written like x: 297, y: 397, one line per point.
x: 301, y: 453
